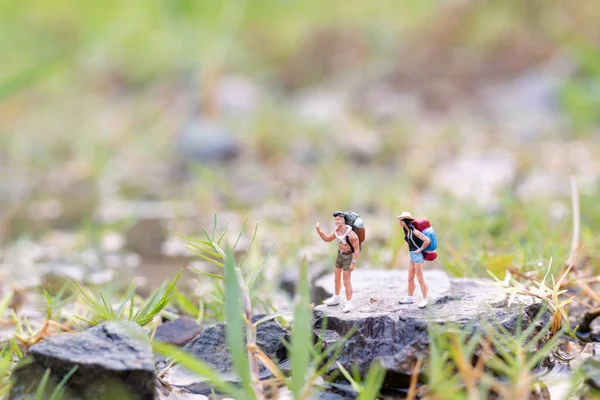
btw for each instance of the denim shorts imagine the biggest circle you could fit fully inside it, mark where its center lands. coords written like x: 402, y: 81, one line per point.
x: 416, y: 257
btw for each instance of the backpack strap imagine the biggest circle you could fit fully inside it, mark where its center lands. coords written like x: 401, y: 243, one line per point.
x: 348, y: 240
x: 412, y: 236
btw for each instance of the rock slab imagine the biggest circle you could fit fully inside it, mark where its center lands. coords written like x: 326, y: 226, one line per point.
x: 110, y: 364
x: 378, y: 290
x: 396, y: 334
x: 591, y: 368
x: 210, y: 346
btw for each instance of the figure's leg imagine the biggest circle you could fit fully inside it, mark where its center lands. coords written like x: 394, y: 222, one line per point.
x: 422, y: 284
x: 348, y: 288
x: 338, y: 281
x: 348, y: 284
x: 411, y: 285
x: 421, y: 279
x: 335, y: 299
x: 411, y: 279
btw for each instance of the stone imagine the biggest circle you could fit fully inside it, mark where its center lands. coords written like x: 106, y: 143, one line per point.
x: 56, y: 274
x: 111, y: 364
x: 332, y: 396
x: 591, y: 368
x: 210, y: 346
x: 291, y: 275
x: 178, y: 332
x: 146, y: 237
x: 203, y: 140
x: 397, y: 334
x: 529, y: 105
x: 478, y: 177
x: 238, y: 96
x: 180, y: 395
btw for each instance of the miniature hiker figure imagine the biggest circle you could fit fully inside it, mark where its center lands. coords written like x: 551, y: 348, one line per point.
x: 349, y: 232
x: 417, y: 243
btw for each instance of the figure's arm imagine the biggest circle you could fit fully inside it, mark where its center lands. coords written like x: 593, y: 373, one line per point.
x: 356, y: 246
x: 424, y: 238
x: 327, y: 238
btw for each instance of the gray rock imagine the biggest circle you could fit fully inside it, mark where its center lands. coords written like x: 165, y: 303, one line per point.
x: 210, y: 346
x: 111, y: 364
x: 146, y: 237
x: 332, y: 396
x: 290, y: 276
x: 178, y: 332
x: 477, y: 178
x: 397, y: 335
x: 202, y: 140
x: 529, y: 105
x: 591, y: 368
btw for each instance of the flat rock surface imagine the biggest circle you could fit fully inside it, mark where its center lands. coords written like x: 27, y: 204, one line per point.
x: 110, y: 364
x: 378, y: 291
x: 397, y: 334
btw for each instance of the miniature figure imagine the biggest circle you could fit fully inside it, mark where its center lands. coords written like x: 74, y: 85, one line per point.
x: 350, y: 233
x: 417, y: 243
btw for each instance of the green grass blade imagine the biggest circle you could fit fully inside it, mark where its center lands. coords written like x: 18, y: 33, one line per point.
x: 249, y: 247
x: 16, y: 348
x: 373, y: 382
x: 58, y: 390
x: 223, y: 234
x: 220, y: 264
x: 5, y: 302
x: 124, y: 304
x: 272, y: 316
x: 259, y: 269
x: 109, y: 312
x: 131, y: 307
x: 200, y: 316
x: 215, y: 298
x: 198, y: 367
x: 39, y: 394
x: 210, y: 275
x: 193, y: 240
x: 355, y: 385
x: 186, y: 305
x: 17, y: 321
x: 212, y: 237
x: 241, y: 233
x: 30, y: 76
x: 207, y: 251
x: 161, y: 298
x: 235, y: 326
x: 301, y: 335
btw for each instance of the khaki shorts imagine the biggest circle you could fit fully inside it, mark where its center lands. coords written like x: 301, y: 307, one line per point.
x: 343, y: 260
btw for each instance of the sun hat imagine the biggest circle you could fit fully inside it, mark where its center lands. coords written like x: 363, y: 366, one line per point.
x: 405, y: 215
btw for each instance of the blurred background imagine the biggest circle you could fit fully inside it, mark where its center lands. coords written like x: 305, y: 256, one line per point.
x: 124, y: 124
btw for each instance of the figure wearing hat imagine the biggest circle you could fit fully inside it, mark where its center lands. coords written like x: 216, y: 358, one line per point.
x: 417, y: 242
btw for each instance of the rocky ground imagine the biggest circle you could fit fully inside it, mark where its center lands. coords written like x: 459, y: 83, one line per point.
x: 114, y: 359
x: 396, y: 334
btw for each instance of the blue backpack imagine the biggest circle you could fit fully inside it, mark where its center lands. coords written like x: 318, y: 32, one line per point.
x: 424, y: 226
